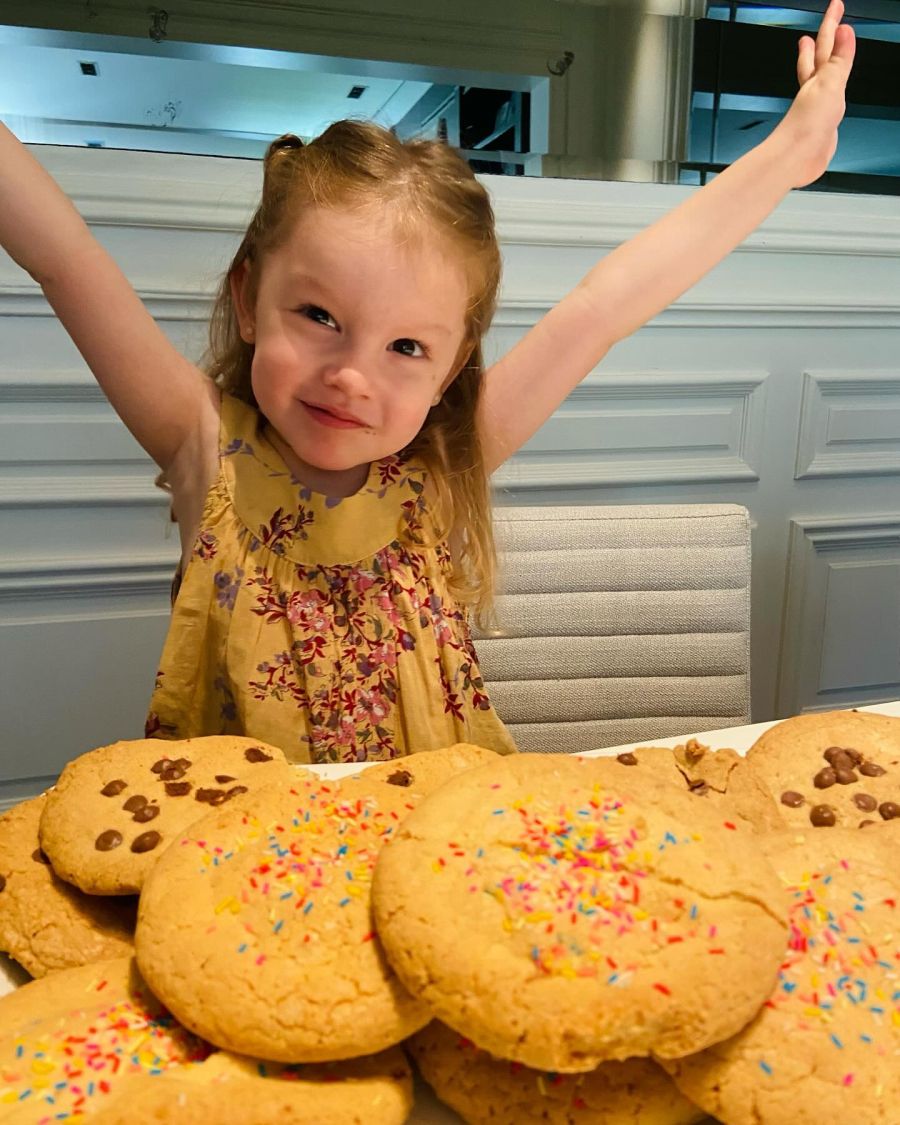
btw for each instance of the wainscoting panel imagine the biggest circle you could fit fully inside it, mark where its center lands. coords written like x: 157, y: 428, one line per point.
x: 842, y: 618
x: 850, y: 424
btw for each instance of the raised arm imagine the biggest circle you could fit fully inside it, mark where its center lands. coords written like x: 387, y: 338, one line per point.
x: 644, y: 275
x: 162, y: 397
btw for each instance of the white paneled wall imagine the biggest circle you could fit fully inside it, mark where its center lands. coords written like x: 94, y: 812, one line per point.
x: 774, y: 383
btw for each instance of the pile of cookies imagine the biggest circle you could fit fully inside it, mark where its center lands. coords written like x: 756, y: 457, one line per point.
x: 650, y: 938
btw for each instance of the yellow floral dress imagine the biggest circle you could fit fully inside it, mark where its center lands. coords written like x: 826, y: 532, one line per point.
x: 324, y: 626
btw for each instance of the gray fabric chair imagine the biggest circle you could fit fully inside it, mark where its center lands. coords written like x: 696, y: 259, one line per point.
x: 619, y: 624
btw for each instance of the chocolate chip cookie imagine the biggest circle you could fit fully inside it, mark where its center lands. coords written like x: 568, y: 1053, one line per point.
x: 838, y: 768
x: 114, y: 810
x: 718, y: 777
x: 429, y: 769
x: 46, y: 924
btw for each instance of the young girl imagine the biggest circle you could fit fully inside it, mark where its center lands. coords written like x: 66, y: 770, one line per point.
x: 329, y: 469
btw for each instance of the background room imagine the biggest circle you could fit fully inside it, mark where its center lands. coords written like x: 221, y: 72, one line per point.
x: 773, y: 384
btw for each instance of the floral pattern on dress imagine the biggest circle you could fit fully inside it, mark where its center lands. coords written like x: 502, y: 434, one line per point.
x: 324, y: 625
x: 346, y: 715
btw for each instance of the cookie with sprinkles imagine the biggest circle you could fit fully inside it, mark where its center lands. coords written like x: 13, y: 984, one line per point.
x: 826, y: 1045
x: 46, y: 924
x: 115, y: 809
x: 428, y: 770
x: 230, y: 1089
x: 832, y: 769
x: 562, y: 913
x: 67, y: 1042
x: 255, y: 926
x: 488, y: 1091
x: 718, y: 777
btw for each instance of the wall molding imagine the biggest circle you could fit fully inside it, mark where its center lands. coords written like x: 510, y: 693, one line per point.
x: 830, y: 398
x: 816, y: 547
x: 523, y: 311
x: 78, y: 577
x: 80, y: 491
x: 220, y: 194
x: 739, y: 397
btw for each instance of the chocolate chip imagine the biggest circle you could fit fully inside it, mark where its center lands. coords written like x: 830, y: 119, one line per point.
x: 39, y: 856
x: 211, y: 796
x: 146, y: 842
x: 145, y: 813
x: 134, y: 803
x: 845, y: 775
x: 223, y: 778
x: 825, y: 778
x: 840, y: 755
x: 400, y: 777
x: 235, y: 790
x: 108, y: 840
x: 178, y: 788
x: 865, y: 802
x: 257, y: 754
x: 871, y: 769
x: 171, y: 773
x: 627, y: 759
x: 822, y: 816
x: 114, y: 788
x: 889, y: 810
x: 2, y: 882
x: 792, y: 799
x: 159, y: 766
x: 183, y: 763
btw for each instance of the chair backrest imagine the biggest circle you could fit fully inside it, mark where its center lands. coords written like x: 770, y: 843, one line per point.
x: 619, y: 624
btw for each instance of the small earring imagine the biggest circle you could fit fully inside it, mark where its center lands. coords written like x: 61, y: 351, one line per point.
x: 437, y: 398
x: 250, y: 331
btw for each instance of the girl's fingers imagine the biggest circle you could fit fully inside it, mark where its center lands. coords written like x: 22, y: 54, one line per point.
x: 806, y: 64
x: 827, y: 30
x: 845, y: 45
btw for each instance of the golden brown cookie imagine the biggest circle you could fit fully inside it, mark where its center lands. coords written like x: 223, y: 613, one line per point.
x: 837, y: 768
x: 234, y: 1090
x: 719, y: 777
x: 488, y: 1091
x: 255, y: 927
x: 46, y: 924
x: 68, y: 1040
x: 826, y: 1046
x: 563, y: 912
x: 428, y: 770
x: 114, y: 810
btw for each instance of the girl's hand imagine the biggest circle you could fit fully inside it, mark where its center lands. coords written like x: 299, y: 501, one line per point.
x: 823, y: 67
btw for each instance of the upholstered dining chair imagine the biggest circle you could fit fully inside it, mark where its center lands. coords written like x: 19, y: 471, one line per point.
x: 619, y: 624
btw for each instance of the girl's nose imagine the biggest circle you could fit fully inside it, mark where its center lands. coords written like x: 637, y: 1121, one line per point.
x: 348, y: 377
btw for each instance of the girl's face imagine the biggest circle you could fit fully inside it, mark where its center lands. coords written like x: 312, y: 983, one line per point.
x: 355, y: 336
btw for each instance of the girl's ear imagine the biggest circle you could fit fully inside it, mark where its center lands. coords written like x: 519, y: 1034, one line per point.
x: 242, y: 299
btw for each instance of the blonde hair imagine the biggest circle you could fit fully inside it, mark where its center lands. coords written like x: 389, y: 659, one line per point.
x: 356, y: 164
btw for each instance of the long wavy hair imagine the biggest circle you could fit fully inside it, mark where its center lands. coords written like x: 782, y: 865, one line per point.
x: 428, y: 186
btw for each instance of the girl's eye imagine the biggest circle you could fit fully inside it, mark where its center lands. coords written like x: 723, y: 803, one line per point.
x: 319, y: 315
x: 407, y: 347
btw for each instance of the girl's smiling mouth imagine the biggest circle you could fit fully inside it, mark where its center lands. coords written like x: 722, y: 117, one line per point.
x: 328, y: 416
